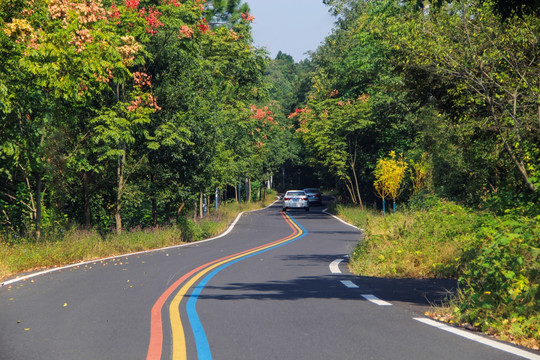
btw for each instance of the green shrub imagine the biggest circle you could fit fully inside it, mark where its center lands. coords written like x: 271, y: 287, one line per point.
x: 499, y: 287
x: 496, y: 258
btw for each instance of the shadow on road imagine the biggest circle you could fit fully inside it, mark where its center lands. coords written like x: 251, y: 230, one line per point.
x: 416, y: 294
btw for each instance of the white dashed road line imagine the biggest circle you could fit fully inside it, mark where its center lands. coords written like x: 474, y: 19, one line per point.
x: 368, y: 297
x: 349, y: 284
x: 376, y: 300
x: 334, y: 268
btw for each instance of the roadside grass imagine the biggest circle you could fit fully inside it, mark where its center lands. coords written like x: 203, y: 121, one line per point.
x: 75, y: 245
x: 496, y: 260
x: 411, y: 244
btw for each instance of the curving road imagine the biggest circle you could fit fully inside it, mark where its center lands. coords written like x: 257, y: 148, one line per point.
x: 275, y: 287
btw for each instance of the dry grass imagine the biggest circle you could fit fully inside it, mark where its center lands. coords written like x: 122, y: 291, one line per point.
x: 25, y: 254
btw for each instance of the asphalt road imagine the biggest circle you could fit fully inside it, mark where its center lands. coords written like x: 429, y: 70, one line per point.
x: 275, y: 287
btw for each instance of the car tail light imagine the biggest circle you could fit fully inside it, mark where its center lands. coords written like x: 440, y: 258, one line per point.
x: 287, y: 198
x: 304, y: 198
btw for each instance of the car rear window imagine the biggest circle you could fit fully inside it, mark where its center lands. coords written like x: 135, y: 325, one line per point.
x: 295, y: 193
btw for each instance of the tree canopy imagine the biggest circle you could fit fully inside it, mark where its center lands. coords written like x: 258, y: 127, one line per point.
x: 450, y: 85
x: 120, y: 115
x: 117, y: 115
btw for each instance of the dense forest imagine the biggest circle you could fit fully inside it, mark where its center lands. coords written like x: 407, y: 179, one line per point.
x: 142, y: 112
x: 450, y: 86
x: 122, y: 115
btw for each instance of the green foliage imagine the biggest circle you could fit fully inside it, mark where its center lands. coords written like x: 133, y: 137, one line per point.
x: 226, y: 11
x: 424, y: 242
x: 500, y: 285
x: 490, y: 66
x: 332, y: 131
x: 450, y: 80
x: 286, y: 78
x: 122, y: 114
x: 496, y: 259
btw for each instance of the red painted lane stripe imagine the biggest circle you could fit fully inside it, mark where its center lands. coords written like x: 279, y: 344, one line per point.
x: 155, y: 346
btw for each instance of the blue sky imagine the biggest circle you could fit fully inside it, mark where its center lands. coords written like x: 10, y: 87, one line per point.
x: 292, y: 26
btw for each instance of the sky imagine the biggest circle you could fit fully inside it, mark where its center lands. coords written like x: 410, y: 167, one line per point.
x: 292, y: 26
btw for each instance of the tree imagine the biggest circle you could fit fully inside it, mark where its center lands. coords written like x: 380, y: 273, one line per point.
x: 419, y: 173
x: 389, y: 174
x: 209, y: 73
x: 102, y: 103
x: 493, y: 65
x: 228, y: 12
x: 62, y: 65
x: 333, y: 132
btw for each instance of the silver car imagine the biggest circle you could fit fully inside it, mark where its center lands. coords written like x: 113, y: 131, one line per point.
x: 314, y: 196
x: 295, y: 199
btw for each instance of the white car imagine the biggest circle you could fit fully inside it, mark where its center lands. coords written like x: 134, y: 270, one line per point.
x: 295, y: 199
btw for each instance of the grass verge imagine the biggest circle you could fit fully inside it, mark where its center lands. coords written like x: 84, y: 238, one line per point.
x: 25, y: 254
x: 496, y: 260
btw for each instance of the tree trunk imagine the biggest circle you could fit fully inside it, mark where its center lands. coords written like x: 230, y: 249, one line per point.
x: 31, y: 205
x: 154, y: 201
x: 180, y: 209
x: 120, y: 176
x: 154, y: 212
x: 516, y: 158
x: 350, y: 189
x: 201, y: 205
x: 248, y: 190
x: 38, y: 207
x: 357, y: 187
x: 86, y: 200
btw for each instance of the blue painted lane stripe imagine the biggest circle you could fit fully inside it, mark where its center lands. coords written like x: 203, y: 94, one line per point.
x: 201, y: 341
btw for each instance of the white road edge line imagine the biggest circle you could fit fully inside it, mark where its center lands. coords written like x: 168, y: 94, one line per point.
x: 349, y: 284
x: 26, y: 277
x: 376, y: 300
x: 494, y: 344
x: 343, y: 221
x: 334, y: 266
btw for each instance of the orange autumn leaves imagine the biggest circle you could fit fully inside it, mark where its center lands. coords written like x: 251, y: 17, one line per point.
x: 264, y: 121
x: 142, y: 80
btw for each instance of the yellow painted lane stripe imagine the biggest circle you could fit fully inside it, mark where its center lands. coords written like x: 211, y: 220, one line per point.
x: 179, y: 351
